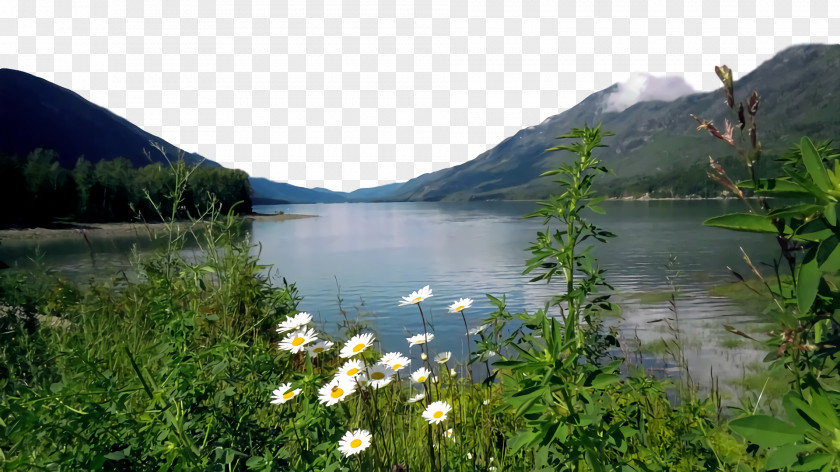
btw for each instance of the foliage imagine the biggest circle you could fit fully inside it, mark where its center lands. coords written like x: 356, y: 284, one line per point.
x: 38, y: 191
x: 805, y: 300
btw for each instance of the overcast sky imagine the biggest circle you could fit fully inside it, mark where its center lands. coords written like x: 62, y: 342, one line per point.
x: 344, y: 94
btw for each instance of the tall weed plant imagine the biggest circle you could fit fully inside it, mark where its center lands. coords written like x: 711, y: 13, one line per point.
x: 799, y: 210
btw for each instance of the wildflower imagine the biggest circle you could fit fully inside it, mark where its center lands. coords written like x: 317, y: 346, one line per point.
x: 443, y: 357
x: 436, y: 412
x: 284, y: 393
x: 319, y: 347
x: 350, y: 369
x: 420, y: 375
x: 294, y: 322
x: 453, y: 373
x: 423, y: 356
x: 478, y: 329
x: 469, y: 455
x: 298, y: 340
x: 354, y: 441
x: 449, y: 434
x: 398, y: 363
x: 335, y: 391
x: 380, y: 375
x: 362, y: 380
x: 389, y: 358
x: 417, y: 398
x: 417, y: 297
x: 420, y: 339
x: 356, y: 344
x: 460, y: 305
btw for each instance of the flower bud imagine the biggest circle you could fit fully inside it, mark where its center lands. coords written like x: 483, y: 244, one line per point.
x: 424, y: 356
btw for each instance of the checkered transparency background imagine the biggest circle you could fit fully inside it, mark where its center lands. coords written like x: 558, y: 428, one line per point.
x: 346, y: 94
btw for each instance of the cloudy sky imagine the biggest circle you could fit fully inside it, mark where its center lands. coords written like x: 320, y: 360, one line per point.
x: 347, y: 94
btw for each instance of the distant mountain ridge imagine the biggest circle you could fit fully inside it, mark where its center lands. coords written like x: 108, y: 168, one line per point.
x: 655, y: 141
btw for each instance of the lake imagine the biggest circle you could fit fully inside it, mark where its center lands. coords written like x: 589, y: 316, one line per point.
x: 379, y: 252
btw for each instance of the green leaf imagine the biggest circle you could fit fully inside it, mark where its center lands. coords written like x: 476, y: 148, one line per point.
x: 521, y: 439
x: 802, y: 211
x: 813, y: 462
x: 807, y: 282
x: 765, y: 431
x: 776, y: 188
x: 785, y: 455
x: 828, y: 255
x: 814, y: 164
x: 602, y: 381
x: 814, y: 230
x: 743, y: 222
x: 255, y: 462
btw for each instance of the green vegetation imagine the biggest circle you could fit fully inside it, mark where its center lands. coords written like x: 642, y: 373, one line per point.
x: 38, y: 191
x: 182, y: 368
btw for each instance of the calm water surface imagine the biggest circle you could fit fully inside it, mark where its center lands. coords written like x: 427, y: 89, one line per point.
x: 377, y: 253
x: 380, y: 252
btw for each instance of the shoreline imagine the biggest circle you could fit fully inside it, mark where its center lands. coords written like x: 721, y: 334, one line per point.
x: 123, y: 228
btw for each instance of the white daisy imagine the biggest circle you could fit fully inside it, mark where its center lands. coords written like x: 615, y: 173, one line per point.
x: 356, y: 344
x: 362, y: 380
x: 336, y: 391
x: 420, y: 375
x: 460, y: 305
x: 420, y: 339
x: 294, y: 322
x: 350, y: 369
x: 354, y: 442
x: 478, y: 329
x: 399, y: 363
x: 380, y: 375
x: 443, y: 357
x: 298, y: 340
x: 417, y: 297
x: 436, y: 412
x: 449, y: 434
x: 284, y: 393
x: 417, y: 398
x: 319, y: 347
x: 388, y: 358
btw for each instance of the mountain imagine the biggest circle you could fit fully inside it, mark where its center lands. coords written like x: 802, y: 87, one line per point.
x: 35, y: 113
x: 656, y: 142
x: 264, y: 190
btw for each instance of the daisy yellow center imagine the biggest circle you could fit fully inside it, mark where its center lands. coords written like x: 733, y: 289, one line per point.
x: 377, y: 375
x: 396, y: 366
x: 355, y: 443
x: 417, y: 300
x: 358, y: 347
x: 337, y: 392
x: 353, y: 371
x: 438, y: 414
x: 288, y: 395
x: 422, y: 378
x: 460, y: 308
x: 317, y: 350
x: 298, y: 341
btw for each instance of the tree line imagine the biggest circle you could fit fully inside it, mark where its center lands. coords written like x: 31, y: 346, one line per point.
x: 36, y: 190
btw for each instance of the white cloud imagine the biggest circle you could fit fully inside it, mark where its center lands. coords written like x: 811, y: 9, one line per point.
x: 646, y: 87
